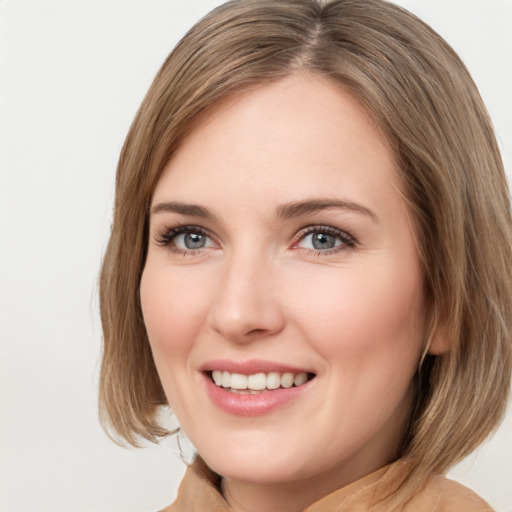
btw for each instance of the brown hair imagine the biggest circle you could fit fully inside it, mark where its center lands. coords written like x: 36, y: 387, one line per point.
x: 422, y: 98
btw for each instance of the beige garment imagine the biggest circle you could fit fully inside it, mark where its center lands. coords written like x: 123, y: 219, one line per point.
x: 199, y: 492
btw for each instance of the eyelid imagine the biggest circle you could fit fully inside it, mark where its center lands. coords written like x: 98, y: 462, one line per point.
x: 165, y: 236
x: 347, y: 239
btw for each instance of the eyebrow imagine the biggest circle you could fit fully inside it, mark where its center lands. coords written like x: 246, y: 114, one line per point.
x: 285, y: 211
x: 296, y: 209
x: 192, y: 210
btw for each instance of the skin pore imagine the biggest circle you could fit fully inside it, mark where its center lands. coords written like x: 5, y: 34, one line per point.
x: 280, y: 243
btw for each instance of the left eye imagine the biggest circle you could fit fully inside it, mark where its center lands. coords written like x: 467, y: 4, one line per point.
x: 185, y: 239
x: 191, y: 240
x: 324, y: 239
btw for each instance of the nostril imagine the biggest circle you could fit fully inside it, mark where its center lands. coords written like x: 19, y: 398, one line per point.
x: 255, y: 332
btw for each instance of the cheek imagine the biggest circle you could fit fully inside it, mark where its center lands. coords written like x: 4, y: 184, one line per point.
x: 174, y: 310
x: 367, y: 317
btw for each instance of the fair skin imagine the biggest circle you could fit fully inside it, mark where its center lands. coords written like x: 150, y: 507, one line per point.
x: 280, y: 243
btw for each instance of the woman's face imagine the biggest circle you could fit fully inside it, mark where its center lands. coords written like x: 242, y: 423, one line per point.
x: 281, y: 251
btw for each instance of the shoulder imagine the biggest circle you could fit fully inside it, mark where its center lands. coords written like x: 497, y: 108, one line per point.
x: 440, y: 494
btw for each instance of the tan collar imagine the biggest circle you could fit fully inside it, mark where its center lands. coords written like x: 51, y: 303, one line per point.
x: 199, y: 492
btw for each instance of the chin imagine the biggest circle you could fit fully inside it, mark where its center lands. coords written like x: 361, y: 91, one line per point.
x: 262, y: 471
x: 250, y: 463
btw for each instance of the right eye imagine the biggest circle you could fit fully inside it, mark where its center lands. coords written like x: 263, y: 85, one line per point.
x: 185, y: 239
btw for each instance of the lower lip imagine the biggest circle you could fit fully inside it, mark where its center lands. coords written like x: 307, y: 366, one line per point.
x: 245, y: 404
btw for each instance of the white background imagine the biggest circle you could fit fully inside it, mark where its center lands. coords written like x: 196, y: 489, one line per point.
x: 72, y: 75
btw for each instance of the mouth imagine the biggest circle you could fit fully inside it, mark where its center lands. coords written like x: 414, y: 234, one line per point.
x: 255, y: 387
x: 257, y: 383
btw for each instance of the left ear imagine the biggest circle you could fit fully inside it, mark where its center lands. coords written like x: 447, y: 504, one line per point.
x: 440, y: 342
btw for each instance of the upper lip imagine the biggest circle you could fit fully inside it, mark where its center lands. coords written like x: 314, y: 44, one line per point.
x: 251, y: 367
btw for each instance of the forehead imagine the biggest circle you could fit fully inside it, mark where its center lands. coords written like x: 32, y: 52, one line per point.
x: 301, y: 135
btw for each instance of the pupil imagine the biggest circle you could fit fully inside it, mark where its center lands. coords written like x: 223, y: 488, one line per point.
x: 194, y: 241
x: 323, y: 241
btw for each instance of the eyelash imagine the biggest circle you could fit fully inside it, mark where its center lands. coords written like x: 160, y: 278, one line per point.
x: 347, y: 240
x: 167, y: 237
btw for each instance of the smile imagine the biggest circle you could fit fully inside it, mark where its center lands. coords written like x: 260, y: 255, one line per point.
x: 255, y: 387
x: 257, y: 382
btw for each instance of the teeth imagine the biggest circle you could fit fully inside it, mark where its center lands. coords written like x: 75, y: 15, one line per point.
x: 238, y: 382
x: 300, y: 378
x: 287, y: 380
x: 258, y: 381
x: 273, y: 380
x: 217, y: 377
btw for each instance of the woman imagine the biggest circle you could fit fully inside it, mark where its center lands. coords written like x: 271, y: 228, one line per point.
x: 309, y: 262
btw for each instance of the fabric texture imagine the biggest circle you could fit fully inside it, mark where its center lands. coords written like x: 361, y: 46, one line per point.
x: 199, y: 492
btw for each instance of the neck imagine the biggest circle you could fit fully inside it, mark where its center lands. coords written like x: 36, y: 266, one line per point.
x: 284, y: 497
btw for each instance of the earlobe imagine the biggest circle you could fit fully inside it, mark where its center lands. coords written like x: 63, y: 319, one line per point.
x: 439, y: 342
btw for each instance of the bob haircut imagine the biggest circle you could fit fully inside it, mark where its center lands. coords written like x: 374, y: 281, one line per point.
x: 422, y: 99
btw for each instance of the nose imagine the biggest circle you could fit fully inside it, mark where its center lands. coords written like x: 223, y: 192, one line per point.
x: 247, y: 306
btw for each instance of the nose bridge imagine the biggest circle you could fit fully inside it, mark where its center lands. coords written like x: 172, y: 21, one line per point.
x: 247, y: 305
